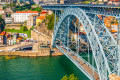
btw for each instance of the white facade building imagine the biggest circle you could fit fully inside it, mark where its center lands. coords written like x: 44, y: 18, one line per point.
x: 114, y: 27
x: 8, y: 20
x: 10, y: 42
x: 22, y: 16
x: 23, y: 35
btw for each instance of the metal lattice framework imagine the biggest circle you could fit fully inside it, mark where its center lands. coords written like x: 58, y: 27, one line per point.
x: 104, y: 46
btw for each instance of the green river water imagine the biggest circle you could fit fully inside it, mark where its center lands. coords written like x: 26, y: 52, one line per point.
x: 40, y: 68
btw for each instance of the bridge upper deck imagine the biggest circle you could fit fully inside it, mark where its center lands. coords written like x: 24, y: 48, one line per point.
x: 108, y: 10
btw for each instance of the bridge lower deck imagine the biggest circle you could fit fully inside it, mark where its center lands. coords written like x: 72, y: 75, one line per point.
x: 83, y: 65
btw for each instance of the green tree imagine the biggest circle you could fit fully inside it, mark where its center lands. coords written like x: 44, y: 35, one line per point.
x: 51, y: 21
x: 71, y: 77
x: 2, y: 23
x: 65, y: 77
x: 32, y: 28
x: 25, y: 28
x: 22, y: 8
x: 39, y: 9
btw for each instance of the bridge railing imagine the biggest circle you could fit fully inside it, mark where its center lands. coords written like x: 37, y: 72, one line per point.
x: 71, y: 52
x: 78, y: 65
x: 84, y: 61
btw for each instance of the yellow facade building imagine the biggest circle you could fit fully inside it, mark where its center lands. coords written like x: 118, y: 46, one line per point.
x: 40, y: 19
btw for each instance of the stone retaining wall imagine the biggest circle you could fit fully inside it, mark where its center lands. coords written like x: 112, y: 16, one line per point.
x: 40, y: 52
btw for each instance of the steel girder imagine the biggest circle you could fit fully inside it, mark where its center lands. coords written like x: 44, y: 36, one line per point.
x: 78, y: 65
x: 88, y: 8
x: 108, y: 42
x: 97, y: 47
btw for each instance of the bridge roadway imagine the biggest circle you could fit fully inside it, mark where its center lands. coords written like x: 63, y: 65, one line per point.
x: 16, y: 46
x: 81, y: 63
x: 108, y: 10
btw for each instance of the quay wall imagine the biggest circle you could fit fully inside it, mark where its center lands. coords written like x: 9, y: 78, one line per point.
x: 41, y: 52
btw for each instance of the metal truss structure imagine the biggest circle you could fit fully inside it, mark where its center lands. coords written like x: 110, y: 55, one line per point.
x: 104, y: 47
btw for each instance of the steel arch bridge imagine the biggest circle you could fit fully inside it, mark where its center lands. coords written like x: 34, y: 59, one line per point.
x: 104, y: 47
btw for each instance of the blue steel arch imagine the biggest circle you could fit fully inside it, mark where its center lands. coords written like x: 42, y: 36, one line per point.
x: 101, y: 60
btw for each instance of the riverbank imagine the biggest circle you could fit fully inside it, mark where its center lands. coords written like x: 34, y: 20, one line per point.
x: 40, y: 52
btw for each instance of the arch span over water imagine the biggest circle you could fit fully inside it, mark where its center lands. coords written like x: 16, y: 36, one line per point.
x: 104, y: 56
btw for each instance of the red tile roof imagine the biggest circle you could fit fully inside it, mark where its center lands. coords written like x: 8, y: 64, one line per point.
x: 113, y: 31
x: 115, y: 24
x: 41, y: 17
x: 2, y: 33
x: 115, y: 0
x: 27, y: 11
x: 1, y: 9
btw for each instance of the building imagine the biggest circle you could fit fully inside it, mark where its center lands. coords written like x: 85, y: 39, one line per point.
x: 109, y: 21
x: 5, y: 1
x: 8, y: 20
x: 50, y: 12
x: 7, y: 13
x: 2, y: 38
x: 36, y: 1
x: 23, y: 35
x: 114, y: 27
x: 1, y: 11
x: 10, y: 41
x: 31, y: 20
x: 19, y: 40
x: 47, y: 1
x: 1, y: 7
x: 40, y: 19
x: 71, y: 1
x: 22, y: 16
x: 61, y: 1
x: 11, y: 38
x: 102, y: 0
x: 14, y: 38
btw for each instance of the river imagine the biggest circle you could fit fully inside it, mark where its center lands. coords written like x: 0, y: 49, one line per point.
x: 40, y: 68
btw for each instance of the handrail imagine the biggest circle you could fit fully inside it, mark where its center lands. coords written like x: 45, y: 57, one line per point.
x: 78, y: 65
x: 83, y: 60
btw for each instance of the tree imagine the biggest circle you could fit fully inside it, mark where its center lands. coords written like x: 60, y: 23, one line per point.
x: 2, y: 23
x: 21, y: 2
x: 39, y: 9
x: 71, y: 77
x: 65, y: 77
x: 32, y: 28
x: 51, y: 21
x: 25, y: 28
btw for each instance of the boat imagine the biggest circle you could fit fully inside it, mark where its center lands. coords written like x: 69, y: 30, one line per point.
x: 10, y: 57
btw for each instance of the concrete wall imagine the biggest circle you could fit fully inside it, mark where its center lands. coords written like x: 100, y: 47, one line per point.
x: 44, y: 52
x: 11, y: 27
x: 39, y: 37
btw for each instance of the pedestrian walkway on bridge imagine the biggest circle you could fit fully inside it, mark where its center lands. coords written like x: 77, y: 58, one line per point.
x: 82, y: 63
